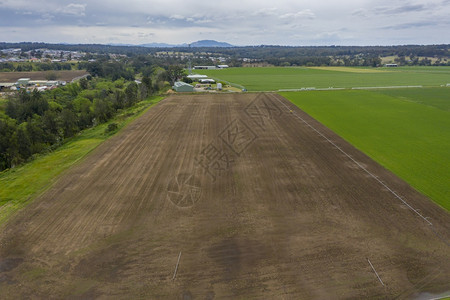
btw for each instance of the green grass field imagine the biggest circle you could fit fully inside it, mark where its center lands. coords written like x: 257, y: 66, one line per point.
x: 276, y: 78
x: 22, y: 184
x: 405, y: 130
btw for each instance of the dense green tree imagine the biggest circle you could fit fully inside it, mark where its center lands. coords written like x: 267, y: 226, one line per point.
x: 7, y: 132
x: 24, y: 142
x: 102, y: 110
x: 147, y: 81
x: 84, y: 83
x: 175, y: 72
x: 118, y: 99
x: 131, y: 94
x: 50, y: 123
x: 68, y: 123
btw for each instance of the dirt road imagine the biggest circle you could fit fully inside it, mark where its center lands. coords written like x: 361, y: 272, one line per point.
x: 259, y: 203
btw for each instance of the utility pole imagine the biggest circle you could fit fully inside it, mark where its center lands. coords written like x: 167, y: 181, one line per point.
x: 190, y: 62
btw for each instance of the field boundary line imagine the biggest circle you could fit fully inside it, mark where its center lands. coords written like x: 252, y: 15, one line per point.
x: 387, y: 87
x: 375, y: 272
x: 308, y: 89
x: 357, y: 163
x: 440, y: 297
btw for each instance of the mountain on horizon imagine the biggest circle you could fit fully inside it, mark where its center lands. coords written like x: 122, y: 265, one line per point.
x: 202, y: 43
x: 210, y: 43
x: 159, y: 45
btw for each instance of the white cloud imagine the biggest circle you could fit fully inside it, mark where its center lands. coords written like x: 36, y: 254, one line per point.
x: 240, y: 22
x: 74, y: 9
x: 303, y: 14
x: 177, y: 17
x: 264, y: 12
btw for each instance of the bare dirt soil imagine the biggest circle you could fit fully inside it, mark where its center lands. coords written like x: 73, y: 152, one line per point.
x: 41, y: 75
x: 258, y: 203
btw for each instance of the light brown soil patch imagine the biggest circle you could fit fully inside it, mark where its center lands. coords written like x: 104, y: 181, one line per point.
x: 281, y: 214
x: 41, y: 75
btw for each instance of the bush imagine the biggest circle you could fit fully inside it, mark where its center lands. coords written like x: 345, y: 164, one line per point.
x: 51, y: 76
x: 111, y: 128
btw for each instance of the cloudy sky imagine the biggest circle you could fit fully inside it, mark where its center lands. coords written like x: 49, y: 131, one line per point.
x: 239, y: 22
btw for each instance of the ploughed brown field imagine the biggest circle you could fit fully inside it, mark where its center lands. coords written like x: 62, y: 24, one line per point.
x: 226, y: 196
x: 41, y: 75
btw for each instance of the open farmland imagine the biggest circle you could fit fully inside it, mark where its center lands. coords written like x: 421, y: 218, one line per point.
x: 405, y: 130
x: 276, y: 78
x: 252, y: 198
x: 41, y: 75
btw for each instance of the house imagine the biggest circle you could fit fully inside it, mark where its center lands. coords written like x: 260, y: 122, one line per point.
x: 181, y: 86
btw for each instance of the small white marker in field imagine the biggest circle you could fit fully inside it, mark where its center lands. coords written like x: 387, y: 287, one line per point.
x: 176, y: 267
x: 375, y: 272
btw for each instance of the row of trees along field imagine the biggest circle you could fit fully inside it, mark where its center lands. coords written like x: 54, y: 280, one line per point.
x: 33, y: 122
x: 29, y: 67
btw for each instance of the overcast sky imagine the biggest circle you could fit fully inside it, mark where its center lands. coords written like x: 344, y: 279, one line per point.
x: 239, y: 22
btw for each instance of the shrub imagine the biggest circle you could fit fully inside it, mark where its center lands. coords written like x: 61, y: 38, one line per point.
x: 111, y: 128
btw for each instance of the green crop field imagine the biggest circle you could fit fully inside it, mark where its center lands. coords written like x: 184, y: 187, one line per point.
x: 405, y: 130
x: 276, y: 78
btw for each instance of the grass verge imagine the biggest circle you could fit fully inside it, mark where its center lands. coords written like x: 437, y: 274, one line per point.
x: 21, y: 185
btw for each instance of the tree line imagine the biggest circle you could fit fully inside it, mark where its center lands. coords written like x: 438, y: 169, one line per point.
x: 275, y: 55
x: 33, y: 122
x: 29, y: 67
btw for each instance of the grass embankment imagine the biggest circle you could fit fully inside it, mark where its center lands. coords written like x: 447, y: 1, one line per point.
x: 22, y: 184
x: 276, y: 78
x: 405, y: 130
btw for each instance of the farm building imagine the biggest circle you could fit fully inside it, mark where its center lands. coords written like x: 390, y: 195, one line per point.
x: 391, y: 65
x: 23, y: 81
x: 197, y: 76
x: 181, y: 86
x: 222, y: 66
x: 207, y: 80
x: 6, y: 85
x: 205, y: 67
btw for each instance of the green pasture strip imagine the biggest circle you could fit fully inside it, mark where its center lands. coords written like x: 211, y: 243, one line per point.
x: 436, y: 97
x: 406, y: 132
x: 18, y: 186
x: 277, y: 78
